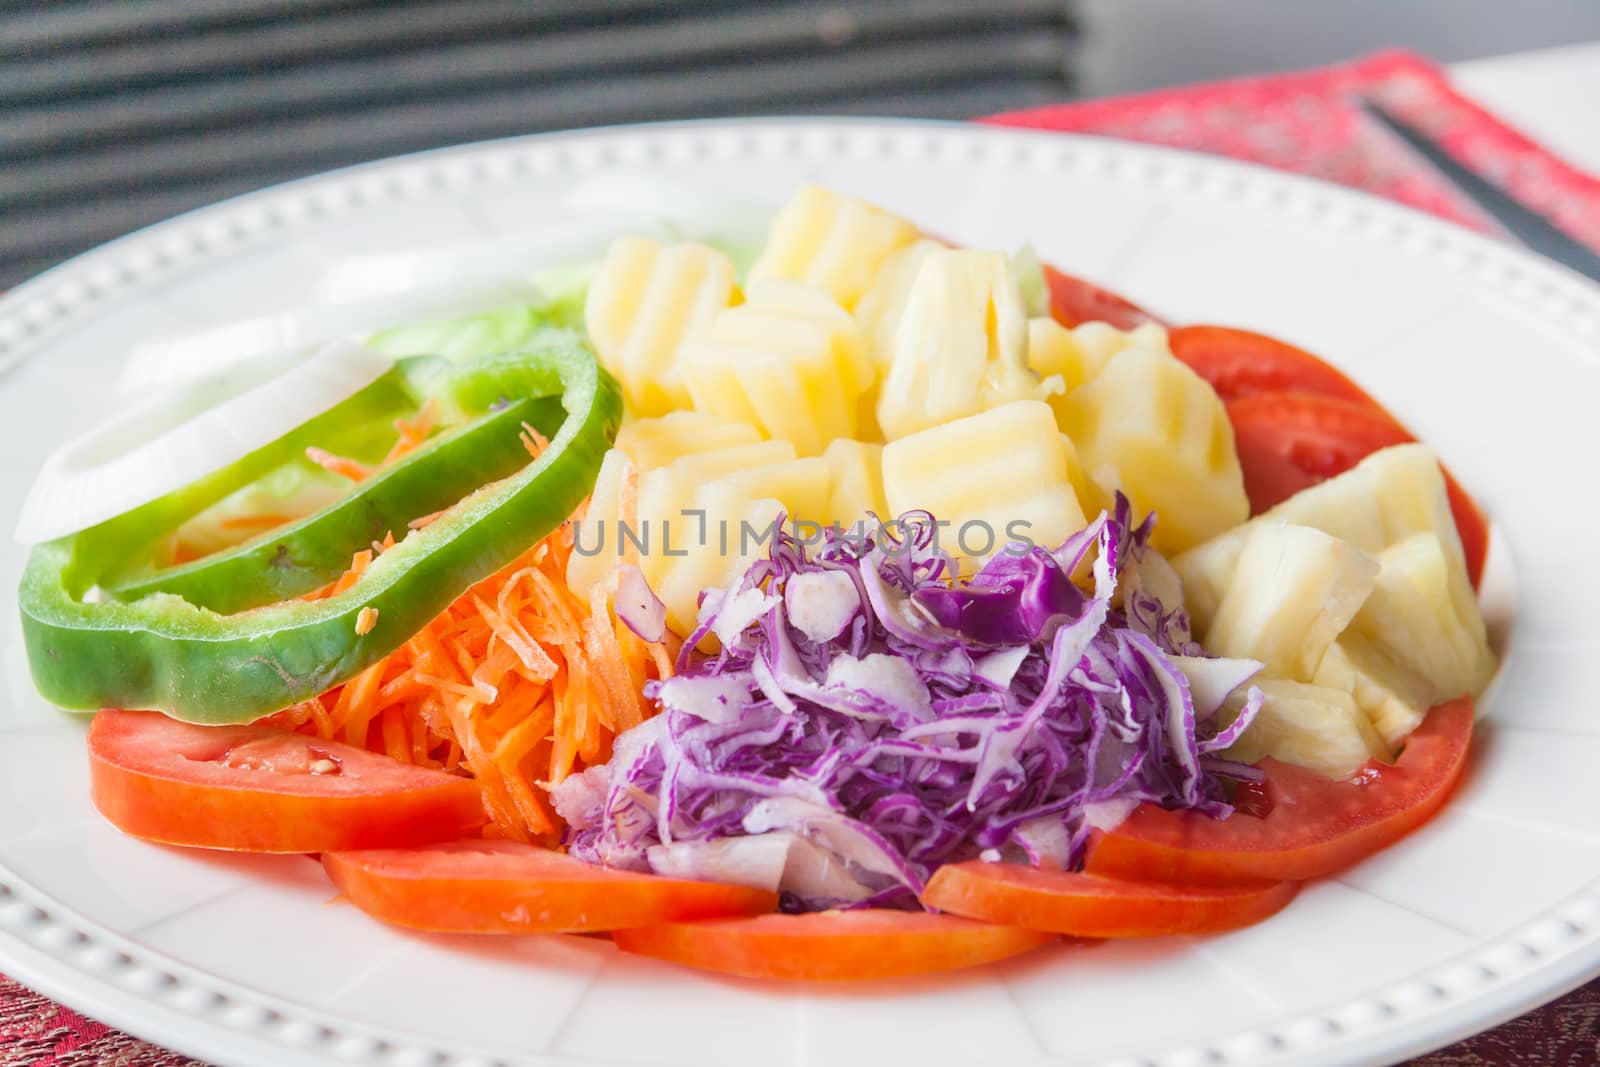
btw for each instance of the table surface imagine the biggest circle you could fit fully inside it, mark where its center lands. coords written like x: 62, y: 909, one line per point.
x: 1549, y: 94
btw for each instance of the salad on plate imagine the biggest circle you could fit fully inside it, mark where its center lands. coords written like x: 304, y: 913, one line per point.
x: 832, y: 602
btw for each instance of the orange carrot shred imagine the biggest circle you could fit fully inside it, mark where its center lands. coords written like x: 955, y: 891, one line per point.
x: 518, y: 683
x: 344, y: 468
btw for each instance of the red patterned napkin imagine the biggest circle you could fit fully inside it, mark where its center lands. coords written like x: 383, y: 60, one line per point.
x: 1307, y: 122
x: 1302, y: 122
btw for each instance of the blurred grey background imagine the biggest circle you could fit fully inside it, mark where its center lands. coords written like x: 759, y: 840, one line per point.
x: 117, y: 113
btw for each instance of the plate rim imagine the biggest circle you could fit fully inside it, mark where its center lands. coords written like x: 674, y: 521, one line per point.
x: 97, y: 971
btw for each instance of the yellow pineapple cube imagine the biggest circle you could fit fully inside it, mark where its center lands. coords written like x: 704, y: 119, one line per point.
x: 800, y: 485
x: 596, y: 549
x: 1393, y: 699
x: 1389, y: 496
x: 879, y: 310
x: 999, y: 476
x: 657, y: 442
x: 855, y: 487
x: 701, y: 537
x: 646, y: 299
x: 960, y: 345
x: 1149, y: 426
x: 1424, y: 615
x: 669, y: 522
x: 1294, y: 592
x: 1091, y: 498
x: 1079, y: 353
x: 788, y: 360
x: 1309, y: 725
x: 831, y: 241
x: 698, y: 468
x: 710, y: 374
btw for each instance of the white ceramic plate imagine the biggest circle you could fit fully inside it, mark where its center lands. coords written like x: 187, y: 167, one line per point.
x: 1491, y: 356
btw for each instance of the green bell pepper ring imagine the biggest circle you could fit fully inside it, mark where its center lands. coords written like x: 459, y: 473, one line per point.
x: 358, y: 426
x: 296, y: 558
x: 162, y: 652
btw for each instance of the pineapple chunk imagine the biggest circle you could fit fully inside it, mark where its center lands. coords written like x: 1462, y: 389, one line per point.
x: 669, y: 532
x: 880, y: 309
x: 855, y: 482
x: 789, y: 361
x: 1394, y: 493
x: 1149, y: 426
x: 1090, y: 496
x: 644, y: 301
x: 960, y: 345
x: 698, y: 468
x: 657, y: 442
x: 800, y: 485
x: 1101, y: 340
x: 1079, y: 353
x: 1312, y: 726
x: 709, y: 369
x: 1293, y: 592
x: 831, y: 241
x: 596, y: 549
x: 1423, y: 615
x: 879, y: 313
x: 723, y: 531
x: 1006, y: 472
x: 1390, y: 495
x: 1392, y: 698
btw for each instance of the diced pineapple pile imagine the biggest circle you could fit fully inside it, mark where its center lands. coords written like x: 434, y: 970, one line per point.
x: 866, y: 368
x: 1354, y: 595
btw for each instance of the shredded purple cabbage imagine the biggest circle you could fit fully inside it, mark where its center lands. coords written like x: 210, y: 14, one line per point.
x: 865, y: 704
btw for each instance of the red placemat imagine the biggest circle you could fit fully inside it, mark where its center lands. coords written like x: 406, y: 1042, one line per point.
x: 1302, y: 122
x: 1307, y: 122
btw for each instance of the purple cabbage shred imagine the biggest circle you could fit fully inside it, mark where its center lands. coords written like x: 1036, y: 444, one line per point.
x: 897, y: 720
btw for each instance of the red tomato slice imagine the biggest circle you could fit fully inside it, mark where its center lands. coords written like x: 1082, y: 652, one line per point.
x: 1086, y: 905
x: 256, y: 789
x: 831, y: 945
x: 1316, y: 825
x: 1074, y: 301
x: 503, y: 887
x: 1240, y: 363
x: 1290, y: 441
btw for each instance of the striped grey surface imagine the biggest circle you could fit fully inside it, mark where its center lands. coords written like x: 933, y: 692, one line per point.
x: 117, y: 113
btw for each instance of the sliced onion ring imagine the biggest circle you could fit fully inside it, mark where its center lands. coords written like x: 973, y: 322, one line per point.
x: 508, y: 262
x: 286, y: 334
x: 187, y: 433
x: 693, y: 210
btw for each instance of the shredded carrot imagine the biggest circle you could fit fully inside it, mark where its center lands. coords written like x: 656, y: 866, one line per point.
x: 344, y: 468
x: 519, y: 683
x: 264, y: 521
x: 411, y: 434
x: 534, y: 441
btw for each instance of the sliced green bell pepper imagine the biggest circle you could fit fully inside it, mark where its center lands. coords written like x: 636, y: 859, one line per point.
x: 300, y: 556
x: 159, y: 650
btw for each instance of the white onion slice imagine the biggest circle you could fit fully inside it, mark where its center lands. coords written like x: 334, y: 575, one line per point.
x: 502, y: 264
x: 174, y: 361
x: 695, y: 210
x: 187, y: 433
